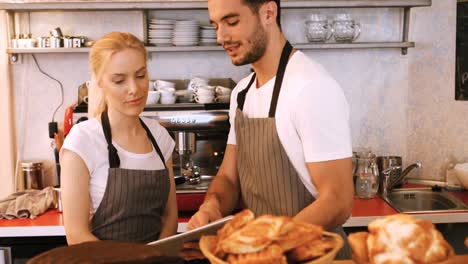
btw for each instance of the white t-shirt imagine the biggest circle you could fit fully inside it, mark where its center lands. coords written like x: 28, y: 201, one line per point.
x: 87, y: 140
x: 312, y: 115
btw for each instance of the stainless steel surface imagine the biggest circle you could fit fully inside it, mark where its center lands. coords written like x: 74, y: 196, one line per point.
x: 425, y: 182
x: 202, y: 187
x: 384, y: 163
x: 185, y: 142
x: 423, y: 200
x: 395, y: 174
x: 385, y: 189
x: 197, y: 4
x: 192, y: 120
x: 398, y: 180
x: 67, y: 42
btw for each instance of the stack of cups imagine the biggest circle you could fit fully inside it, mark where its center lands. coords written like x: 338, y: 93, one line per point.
x: 204, y: 94
x: 167, y: 90
x: 223, y: 94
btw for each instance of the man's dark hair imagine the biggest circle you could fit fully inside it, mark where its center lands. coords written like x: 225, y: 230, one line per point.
x: 255, y: 6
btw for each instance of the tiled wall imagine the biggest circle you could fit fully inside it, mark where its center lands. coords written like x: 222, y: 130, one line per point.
x: 400, y: 105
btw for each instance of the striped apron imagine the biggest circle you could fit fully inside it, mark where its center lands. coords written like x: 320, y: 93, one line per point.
x: 134, y: 200
x: 268, y: 180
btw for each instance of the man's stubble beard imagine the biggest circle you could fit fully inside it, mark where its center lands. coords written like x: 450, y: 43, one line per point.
x: 258, y: 43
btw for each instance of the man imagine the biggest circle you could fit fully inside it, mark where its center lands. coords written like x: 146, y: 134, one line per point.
x: 289, y: 147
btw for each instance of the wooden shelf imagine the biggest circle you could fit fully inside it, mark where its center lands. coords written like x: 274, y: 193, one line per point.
x: 199, y: 4
x: 300, y: 46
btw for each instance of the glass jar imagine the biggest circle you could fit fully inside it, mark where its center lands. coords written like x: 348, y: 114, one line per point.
x: 345, y: 29
x: 367, y: 177
x: 317, y: 28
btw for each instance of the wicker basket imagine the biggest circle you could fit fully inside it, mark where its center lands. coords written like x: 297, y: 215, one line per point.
x: 208, y: 243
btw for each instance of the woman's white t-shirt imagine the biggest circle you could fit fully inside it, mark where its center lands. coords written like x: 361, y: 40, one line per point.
x: 87, y: 140
x: 312, y: 115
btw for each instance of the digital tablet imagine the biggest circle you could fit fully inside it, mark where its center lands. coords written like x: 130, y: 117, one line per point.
x: 171, y: 246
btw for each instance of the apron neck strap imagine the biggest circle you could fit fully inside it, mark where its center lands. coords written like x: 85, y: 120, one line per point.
x: 155, y: 144
x: 278, y: 81
x: 279, y: 78
x: 114, y: 160
x: 241, y: 95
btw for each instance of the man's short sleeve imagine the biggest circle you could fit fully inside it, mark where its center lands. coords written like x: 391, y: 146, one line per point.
x: 321, y: 119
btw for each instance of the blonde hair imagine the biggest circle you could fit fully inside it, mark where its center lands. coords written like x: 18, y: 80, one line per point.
x: 99, y: 55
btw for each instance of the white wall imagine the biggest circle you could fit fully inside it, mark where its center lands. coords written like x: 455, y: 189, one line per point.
x: 400, y: 105
x: 437, y: 123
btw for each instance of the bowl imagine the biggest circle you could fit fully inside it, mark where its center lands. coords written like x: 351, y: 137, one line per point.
x: 461, y: 170
x: 208, y: 243
x: 153, y: 97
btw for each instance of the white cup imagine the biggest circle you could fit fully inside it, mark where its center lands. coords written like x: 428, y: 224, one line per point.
x: 222, y: 98
x: 153, y: 97
x: 197, y: 82
x: 168, y: 99
x: 167, y: 92
x: 159, y: 84
x: 204, y: 99
x: 220, y: 90
x: 205, y: 91
x: 184, y: 96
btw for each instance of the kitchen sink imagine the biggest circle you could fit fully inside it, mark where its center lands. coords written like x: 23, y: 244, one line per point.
x: 202, y: 187
x: 423, y: 201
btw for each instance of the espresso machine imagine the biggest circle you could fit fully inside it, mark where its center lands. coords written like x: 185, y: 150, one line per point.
x: 200, y: 133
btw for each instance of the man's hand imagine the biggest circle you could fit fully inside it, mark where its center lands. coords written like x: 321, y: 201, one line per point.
x: 206, y: 214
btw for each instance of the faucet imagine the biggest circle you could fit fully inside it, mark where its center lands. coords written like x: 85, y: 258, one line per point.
x: 389, y: 183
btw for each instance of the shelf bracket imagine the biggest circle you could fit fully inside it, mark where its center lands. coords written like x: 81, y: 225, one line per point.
x: 406, y: 22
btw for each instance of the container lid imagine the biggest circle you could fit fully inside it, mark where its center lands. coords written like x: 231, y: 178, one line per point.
x: 31, y: 164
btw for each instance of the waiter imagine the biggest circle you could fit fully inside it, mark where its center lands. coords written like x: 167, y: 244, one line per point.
x: 289, y: 148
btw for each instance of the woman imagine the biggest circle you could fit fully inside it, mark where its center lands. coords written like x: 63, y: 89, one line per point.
x: 117, y: 177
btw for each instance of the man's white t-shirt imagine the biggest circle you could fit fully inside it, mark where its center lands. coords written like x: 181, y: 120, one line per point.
x: 312, y: 115
x: 87, y: 140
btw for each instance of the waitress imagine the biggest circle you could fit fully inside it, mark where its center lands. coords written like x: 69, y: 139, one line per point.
x: 117, y: 178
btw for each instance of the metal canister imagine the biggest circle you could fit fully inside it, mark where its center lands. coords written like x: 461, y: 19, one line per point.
x: 67, y: 42
x: 32, y: 174
x: 76, y: 42
x: 43, y: 42
x: 54, y: 42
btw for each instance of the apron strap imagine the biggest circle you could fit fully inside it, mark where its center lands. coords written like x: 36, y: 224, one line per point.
x: 114, y: 160
x: 153, y: 141
x: 278, y: 82
x: 241, y: 95
x: 279, y: 78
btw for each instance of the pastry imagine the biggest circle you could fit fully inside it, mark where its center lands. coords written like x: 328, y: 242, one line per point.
x: 400, y: 239
x: 255, y: 236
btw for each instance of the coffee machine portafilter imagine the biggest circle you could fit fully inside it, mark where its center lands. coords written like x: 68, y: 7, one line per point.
x: 186, y: 146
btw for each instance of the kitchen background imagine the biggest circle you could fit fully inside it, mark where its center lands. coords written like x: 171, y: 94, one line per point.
x: 400, y: 104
